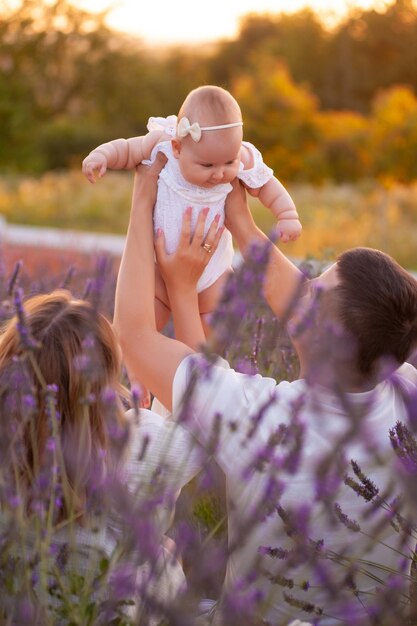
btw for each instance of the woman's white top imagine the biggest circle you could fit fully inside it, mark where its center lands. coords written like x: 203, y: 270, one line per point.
x: 160, y: 458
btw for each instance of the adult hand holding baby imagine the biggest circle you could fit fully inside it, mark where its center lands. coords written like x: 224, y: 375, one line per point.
x: 182, y: 269
x: 146, y: 180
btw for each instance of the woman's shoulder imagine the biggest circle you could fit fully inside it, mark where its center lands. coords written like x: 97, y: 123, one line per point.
x: 150, y: 429
x: 158, y: 444
x: 144, y: 420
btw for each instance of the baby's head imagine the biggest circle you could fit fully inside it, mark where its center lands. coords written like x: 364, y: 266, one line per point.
x: 207, y: 156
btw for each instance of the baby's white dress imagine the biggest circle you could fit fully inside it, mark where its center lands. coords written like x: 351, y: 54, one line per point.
x: 175, y: 194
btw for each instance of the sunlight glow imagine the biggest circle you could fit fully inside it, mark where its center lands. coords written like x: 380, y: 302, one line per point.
x: 185, y: 21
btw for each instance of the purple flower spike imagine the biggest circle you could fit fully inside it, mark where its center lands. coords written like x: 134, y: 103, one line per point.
x: 14, y: 277
x: 26, y: 339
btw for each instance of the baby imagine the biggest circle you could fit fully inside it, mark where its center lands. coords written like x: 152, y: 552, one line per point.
x: 205, y: 153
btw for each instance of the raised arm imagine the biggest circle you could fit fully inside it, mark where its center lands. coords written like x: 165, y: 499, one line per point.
x: 150, y: 358
x: 120, y: 154
x: 282, y: 279
x: 272, y: 194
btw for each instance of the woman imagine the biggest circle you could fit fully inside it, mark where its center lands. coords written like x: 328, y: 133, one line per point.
x: 86, y: 490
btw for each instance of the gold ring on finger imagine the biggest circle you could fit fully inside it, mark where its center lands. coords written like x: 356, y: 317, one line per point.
x: 207, y: 247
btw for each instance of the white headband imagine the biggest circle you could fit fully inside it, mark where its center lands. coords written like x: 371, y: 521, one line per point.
x: 184, y: 128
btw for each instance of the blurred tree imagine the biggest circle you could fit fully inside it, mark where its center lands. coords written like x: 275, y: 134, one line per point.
x: 343, y: 150
x: 67, y: 83
x: 298, y: 38
x: 344, y: 67
x: 394, y: 134
x: 371, y: 50
x: 182, y: 70
x: 279, y: 116
x: 62, y: 67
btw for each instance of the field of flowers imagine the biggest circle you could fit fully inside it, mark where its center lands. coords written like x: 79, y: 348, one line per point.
x: 334, y: 217
x: 49, y: 583
x: 41, y: 270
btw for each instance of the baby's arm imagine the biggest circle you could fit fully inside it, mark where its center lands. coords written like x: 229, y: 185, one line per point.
x: 274, y: 196
x: 120, y: 154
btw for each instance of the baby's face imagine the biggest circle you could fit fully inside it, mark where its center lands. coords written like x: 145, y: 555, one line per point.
x: 214, y: 160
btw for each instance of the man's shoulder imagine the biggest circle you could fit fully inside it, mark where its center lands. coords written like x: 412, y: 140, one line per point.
x: 221, y: 369
x: 219, y: 378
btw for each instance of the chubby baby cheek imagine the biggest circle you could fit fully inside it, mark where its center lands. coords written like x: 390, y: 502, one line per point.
x: 229, y: 176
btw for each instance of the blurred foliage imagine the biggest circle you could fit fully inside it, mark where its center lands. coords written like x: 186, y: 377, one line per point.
x: 320, y: 104
x: 65, y: 200
x: 334, y: 216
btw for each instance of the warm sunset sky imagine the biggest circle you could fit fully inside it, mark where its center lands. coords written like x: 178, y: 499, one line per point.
x: 173, y: 21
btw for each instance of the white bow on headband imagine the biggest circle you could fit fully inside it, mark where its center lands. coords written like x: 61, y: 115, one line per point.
x: 184, y: 128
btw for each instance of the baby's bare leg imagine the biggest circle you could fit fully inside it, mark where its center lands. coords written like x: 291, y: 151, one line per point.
x: 162, y: 308
x: 209, y: 299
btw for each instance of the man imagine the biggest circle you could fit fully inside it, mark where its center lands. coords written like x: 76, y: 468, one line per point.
x: 308, y: 530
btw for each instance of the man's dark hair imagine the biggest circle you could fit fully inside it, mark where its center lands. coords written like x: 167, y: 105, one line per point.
x: 377, y: 304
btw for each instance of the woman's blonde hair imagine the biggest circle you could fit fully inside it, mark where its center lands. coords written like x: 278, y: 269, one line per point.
x: 60, y: 407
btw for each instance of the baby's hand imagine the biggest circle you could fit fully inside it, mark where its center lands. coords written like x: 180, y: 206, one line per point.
x: 289, y: 229
x: 94, y: 162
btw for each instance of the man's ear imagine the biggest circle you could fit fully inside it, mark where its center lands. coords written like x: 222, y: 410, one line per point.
x: 176, y: 147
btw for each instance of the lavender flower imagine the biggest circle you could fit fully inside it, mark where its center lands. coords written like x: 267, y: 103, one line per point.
x: 307, y: 607
x: 27, y: 341
x: 13, y: 279
x: 405, y: 446
x: 366, y: 488
x: 68, y: 278
x: 346, y: 521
